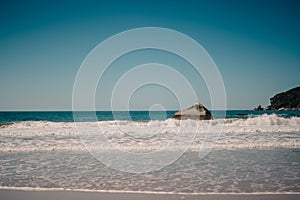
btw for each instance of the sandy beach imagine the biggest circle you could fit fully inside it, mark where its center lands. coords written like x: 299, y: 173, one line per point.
x: 79, y: 195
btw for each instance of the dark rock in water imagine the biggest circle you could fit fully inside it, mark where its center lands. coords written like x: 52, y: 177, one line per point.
x: 289, y: 100
x: 268, y: 108
x: 241, y: 114
x: 258, y: 108
x: 197, y: 111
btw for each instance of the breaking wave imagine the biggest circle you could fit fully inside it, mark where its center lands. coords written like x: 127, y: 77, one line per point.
x: 264, y: 131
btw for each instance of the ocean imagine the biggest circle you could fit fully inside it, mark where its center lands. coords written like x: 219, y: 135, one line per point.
x: 244, y: 152
x: 67, y: 116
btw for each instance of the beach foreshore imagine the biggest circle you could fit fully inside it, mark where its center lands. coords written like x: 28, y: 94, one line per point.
x: 12, y: 194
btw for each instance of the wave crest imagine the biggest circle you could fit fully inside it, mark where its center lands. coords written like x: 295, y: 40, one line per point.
x: 264, y: 131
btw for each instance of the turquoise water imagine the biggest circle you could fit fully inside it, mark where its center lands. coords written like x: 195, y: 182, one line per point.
x: 67, y: 116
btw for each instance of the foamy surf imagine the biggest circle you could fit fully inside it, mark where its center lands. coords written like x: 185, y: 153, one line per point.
x: 264, y: 131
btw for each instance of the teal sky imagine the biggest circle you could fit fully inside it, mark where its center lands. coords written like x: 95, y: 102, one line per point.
x: 255, y: 44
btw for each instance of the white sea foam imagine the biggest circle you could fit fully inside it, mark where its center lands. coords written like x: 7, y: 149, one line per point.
x: 39, y: 189
x: 265, y: 131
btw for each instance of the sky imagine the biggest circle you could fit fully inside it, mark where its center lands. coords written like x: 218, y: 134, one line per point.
x: 254, y: 44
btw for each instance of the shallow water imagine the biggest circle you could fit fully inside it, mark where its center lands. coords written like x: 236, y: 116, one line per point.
x: 276, y: 170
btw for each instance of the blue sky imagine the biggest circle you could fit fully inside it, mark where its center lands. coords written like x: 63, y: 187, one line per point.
x: 255, y: 44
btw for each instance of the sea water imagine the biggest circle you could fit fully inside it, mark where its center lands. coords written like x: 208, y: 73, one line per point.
x: 67, y: 116
x: 255, y: 151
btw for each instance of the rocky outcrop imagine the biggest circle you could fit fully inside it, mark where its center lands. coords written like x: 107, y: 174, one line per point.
x: 289, y: 100
x: 258, y: 108
x: 197, y: 111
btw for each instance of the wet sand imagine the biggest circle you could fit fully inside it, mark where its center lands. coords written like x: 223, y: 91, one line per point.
x: 80, y: 195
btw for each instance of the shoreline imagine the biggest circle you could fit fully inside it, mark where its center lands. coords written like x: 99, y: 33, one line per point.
x: 59, y: 193
x: 37, y: 189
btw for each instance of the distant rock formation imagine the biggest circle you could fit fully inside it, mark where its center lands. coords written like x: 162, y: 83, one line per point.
x: 258, y: 108
x: 289, y: 100
x: 197, y: 111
